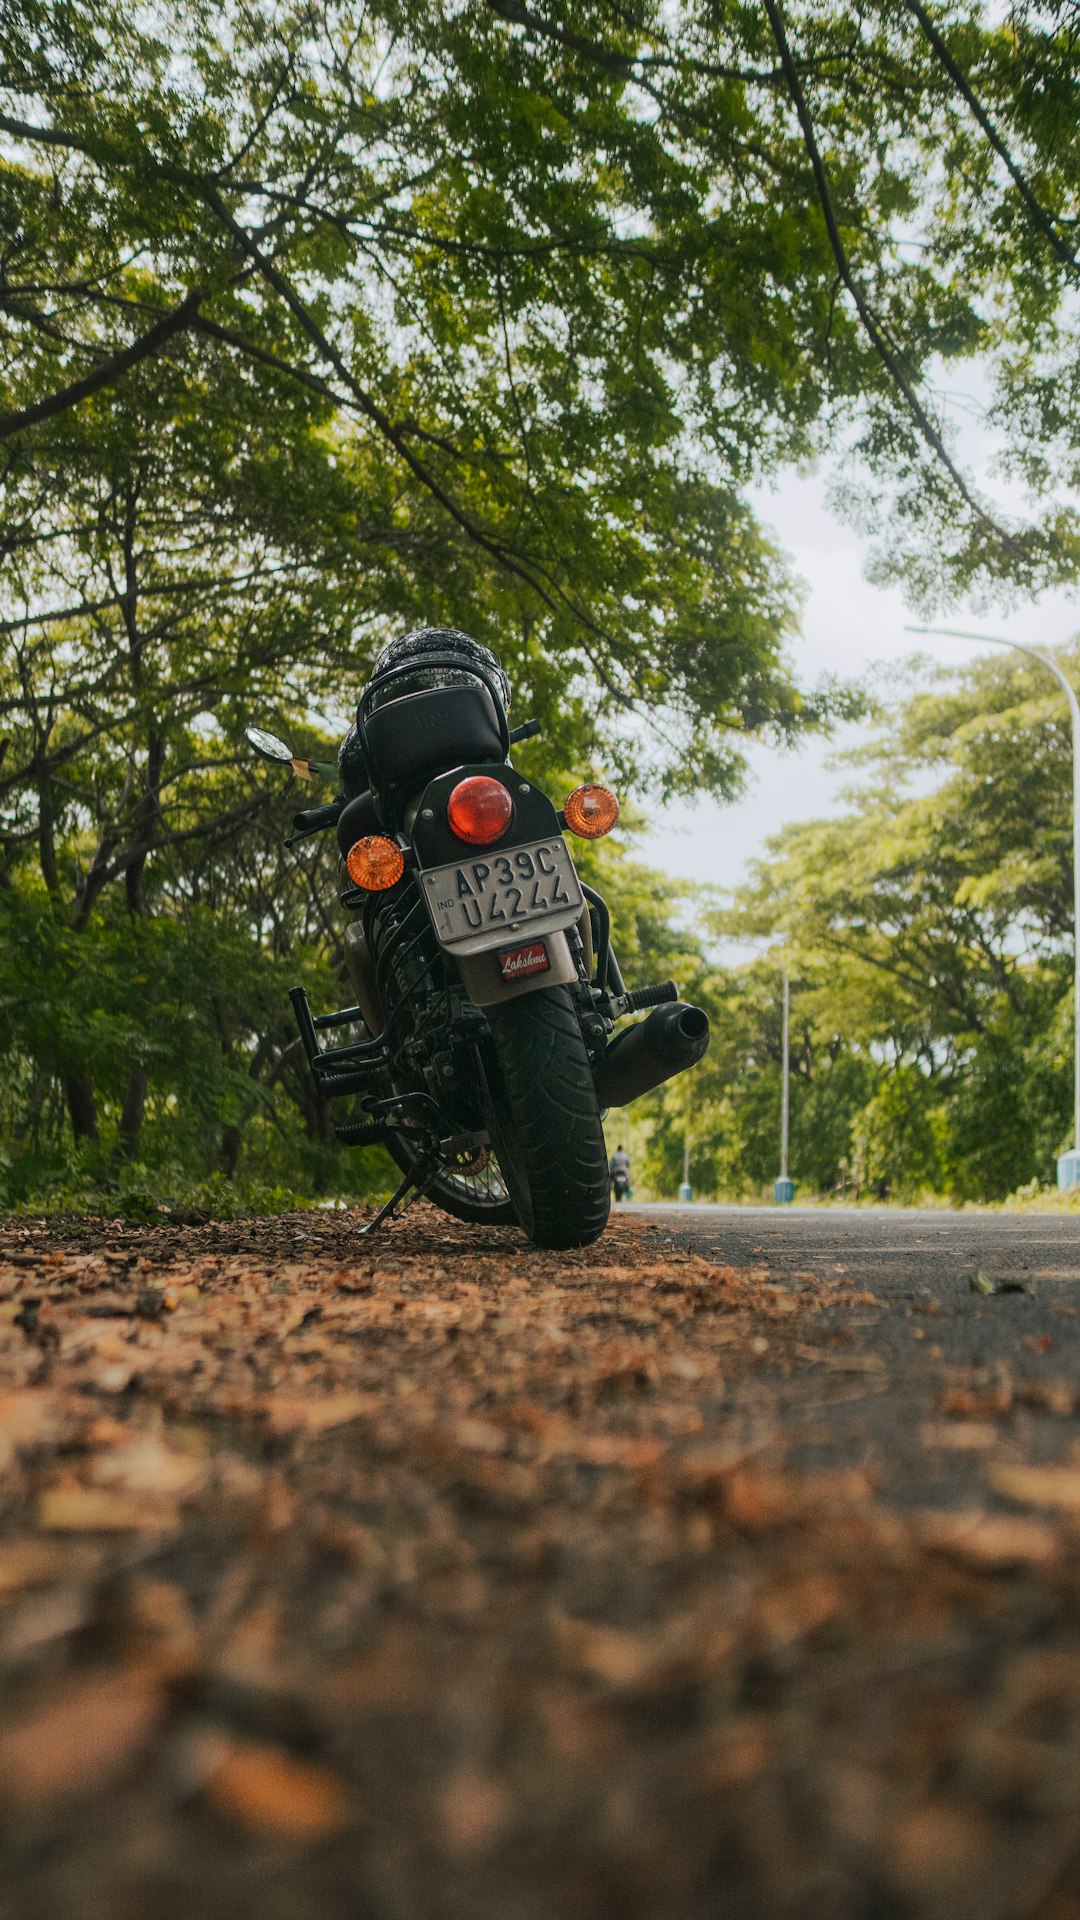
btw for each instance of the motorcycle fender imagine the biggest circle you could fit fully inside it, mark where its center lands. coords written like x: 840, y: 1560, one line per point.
x: 361, y: 966
x: 482, y: 977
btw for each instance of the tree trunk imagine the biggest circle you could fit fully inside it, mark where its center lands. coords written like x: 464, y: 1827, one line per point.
x: 82, y: 1107
x: 30, y: 1120
x: 131, y: 1112
x: 146, y: 814
x: 231, y: 1141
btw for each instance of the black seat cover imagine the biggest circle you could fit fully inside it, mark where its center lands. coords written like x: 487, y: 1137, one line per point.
x: 425, y: 733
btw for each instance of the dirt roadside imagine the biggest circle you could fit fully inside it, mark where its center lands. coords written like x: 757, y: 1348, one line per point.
x: 445, y: 1578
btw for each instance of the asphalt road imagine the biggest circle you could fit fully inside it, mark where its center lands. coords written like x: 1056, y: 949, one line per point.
x: 911, y: 1368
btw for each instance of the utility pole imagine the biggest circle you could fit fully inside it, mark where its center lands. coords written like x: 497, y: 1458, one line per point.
x: 1068, y: 1164
x: 784, y: 1189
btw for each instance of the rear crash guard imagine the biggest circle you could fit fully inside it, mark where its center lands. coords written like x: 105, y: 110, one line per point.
x: 336, y: 1070
x: 674, y: 1037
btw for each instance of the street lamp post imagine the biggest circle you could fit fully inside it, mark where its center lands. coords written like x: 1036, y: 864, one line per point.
x: 783, y: 1188
x: 1068, y: 1165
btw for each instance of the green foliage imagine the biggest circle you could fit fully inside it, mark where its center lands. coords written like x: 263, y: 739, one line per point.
x: 319, y: 321
x: 928, y: 937
x: 144, y: 1196
x: 896, y: 1138
x: 419, y: 361
x: 557, y: 280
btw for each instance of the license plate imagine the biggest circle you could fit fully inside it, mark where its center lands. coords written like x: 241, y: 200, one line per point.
x: 476, y: 902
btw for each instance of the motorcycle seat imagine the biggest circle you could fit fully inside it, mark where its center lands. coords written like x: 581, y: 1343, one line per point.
x: 424, y: 733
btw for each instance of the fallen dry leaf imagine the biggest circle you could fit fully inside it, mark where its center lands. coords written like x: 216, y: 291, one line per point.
x: 960, y: 1436
x: 992, y: 1540
x: 480, y: 1436
x: 475, y: 1809
x: 289, y: 1414
x: 844, y: 1362
x: 612, y: 1450
x: 30, y: 1417
x: 27, y: 1563
x: 270, y: 1791
x: 99, y: 1510
x: 1038, y: 1486
x: 937, y: 1849
x: 79, y: 1741
x: 147, y: 1466
x: 619, y: 1659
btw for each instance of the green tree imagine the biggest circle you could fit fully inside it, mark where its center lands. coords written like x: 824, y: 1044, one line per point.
x: 400, y: 224
x: 318, y: 319
x: 928, y: 932
x: 580, y: 272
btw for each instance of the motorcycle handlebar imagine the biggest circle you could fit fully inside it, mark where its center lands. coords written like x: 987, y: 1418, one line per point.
x: 313, y: 819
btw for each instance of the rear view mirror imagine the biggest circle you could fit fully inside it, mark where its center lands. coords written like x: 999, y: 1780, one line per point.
x: 268, y: 746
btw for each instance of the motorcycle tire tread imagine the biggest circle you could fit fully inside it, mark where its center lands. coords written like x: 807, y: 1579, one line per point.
x: 552, y: 1102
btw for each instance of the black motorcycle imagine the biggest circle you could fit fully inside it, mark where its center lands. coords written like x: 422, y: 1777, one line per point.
x: 481, y: 1048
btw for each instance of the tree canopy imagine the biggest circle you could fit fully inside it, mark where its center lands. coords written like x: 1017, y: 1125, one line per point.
x: 319, y: 319
x: 530, y: 253
x: 927, y: 932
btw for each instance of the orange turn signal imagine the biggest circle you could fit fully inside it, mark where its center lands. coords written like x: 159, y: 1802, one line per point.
x: 591, y: 812
x: 375, y: 863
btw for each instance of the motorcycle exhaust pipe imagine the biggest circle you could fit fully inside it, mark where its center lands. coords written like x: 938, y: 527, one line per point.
x: 673, y: 1038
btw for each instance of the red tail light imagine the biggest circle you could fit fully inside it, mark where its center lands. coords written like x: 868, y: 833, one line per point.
x: 479, y: 810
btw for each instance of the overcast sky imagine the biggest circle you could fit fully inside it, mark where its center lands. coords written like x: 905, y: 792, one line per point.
x: 847, y: 626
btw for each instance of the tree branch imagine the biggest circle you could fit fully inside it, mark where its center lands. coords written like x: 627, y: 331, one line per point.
x: 1043, y: 219
x: 554, y: 596
x: 106, y: 374
x: 873, y: 328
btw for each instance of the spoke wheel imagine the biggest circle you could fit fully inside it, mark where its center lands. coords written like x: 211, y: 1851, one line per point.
x: 478, y: 1195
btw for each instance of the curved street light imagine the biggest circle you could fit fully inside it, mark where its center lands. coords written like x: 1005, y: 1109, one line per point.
x: 1068, y: 1165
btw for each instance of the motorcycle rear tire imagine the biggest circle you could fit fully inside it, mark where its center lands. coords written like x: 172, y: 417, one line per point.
x: 545, y: 1124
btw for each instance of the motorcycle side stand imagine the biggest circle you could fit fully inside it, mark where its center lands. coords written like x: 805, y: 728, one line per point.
x: 417, y: 1183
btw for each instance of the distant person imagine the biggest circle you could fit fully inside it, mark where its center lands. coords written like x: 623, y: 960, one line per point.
x: 619, y: 1173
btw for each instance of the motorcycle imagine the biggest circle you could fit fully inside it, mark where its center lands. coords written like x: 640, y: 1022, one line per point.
x: 481, y: 1050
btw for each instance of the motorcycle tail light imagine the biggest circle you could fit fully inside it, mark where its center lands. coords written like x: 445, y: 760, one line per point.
x: 590, y: 812
x: 375, y: 863
x: 479, y: 810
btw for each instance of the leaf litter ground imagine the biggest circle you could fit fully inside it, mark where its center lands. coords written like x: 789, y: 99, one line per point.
x: 440, y: 1577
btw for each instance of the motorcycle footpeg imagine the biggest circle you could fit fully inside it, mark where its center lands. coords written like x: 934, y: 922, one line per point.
x: 658, y: 996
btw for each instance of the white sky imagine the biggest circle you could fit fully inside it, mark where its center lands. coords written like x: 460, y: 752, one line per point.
x: 847, y: 626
